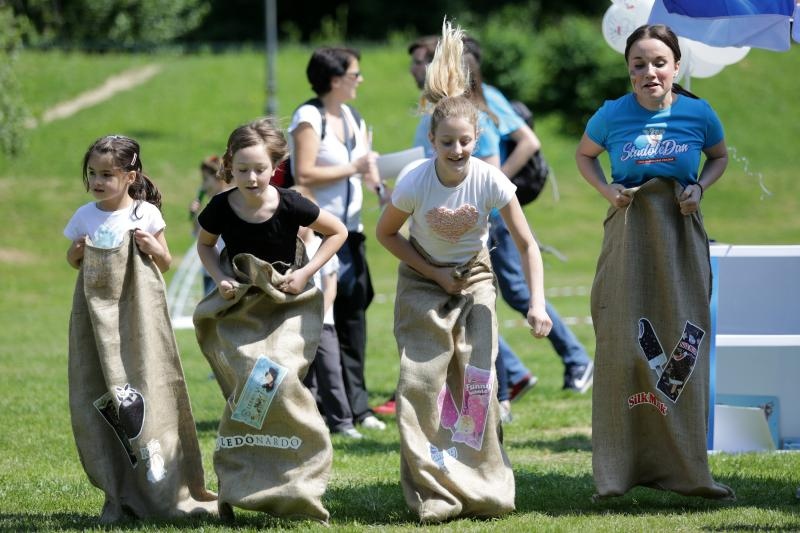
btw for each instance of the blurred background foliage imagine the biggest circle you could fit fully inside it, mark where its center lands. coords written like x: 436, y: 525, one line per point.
x: 546, y: 54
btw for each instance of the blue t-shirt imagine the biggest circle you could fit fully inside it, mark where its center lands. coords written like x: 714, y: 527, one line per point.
x: 643, y: 144
x: 490, y: 135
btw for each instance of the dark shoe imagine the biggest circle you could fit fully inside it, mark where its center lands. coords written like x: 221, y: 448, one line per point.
x: 522, y: 386
x: 387, y: 408
x: 579, y: 378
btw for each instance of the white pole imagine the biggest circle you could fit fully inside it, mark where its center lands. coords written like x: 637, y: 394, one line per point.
x: 270, y: 25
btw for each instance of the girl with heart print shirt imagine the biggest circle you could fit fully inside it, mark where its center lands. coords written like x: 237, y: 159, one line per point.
x: 445, y: 322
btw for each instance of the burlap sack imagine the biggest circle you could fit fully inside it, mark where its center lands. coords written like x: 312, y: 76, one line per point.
x: 452, y: 461
x: 130, y: 409
x: 650, y: 308
x: 273, y: 451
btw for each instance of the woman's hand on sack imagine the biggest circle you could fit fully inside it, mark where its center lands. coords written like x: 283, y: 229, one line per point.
x: 443, y: 276
x: 539, y: 321
x: 227, y: 288
x: 294, y: 282
x: 615, y: 194
x: 689, y: 199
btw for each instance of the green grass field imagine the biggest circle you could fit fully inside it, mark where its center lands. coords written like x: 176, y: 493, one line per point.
x: 185, y: 113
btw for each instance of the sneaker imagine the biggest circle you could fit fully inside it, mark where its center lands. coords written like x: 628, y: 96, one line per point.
x: 350, y: 433
x: 522, y: 386
x: 387, y: 408
x: 505, y: 412
x: 372, y: 422
x: 579, y: 377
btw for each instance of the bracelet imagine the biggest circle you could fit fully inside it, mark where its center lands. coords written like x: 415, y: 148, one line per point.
x: 380, y: 189
x: 702, y: 190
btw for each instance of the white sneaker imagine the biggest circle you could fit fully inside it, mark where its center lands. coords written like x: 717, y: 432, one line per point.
x: 351, y: 433
x: 371, y: 422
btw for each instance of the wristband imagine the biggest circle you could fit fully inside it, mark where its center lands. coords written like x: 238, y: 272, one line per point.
x: 702, y: 190
x: 380, y: 189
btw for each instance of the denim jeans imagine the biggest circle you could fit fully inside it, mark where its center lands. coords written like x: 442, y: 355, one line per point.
x: 506, y: 265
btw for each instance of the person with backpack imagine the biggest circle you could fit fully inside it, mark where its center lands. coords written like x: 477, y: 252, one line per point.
x: 331, y: 154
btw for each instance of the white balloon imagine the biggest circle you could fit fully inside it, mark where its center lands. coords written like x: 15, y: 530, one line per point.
x: 618, y: 23
x: 640, y: 9
x: 714, y: 54
x: 700, y: 68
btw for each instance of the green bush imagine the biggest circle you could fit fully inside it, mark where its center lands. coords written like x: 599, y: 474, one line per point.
x: 578, y: 71
x: 508, y: 39
x: 113, y: 23
x: 12, y: 109
x: 560, y: 66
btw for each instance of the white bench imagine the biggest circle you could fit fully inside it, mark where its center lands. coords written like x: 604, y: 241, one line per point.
x: 757, y: 327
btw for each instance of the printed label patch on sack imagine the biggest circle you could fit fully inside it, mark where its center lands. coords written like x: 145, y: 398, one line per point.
x: 647, y: 398
x: 673, y: 373
x: 265, y: 441
x: 131, y: 410
x: 651, y: 346
x: 448, y: 412
x: 438, y: 456
x: 682, y: 362
x: 154, y: 461
x: 108, y: 410
x: 474, y: 407
x: 259, y: 390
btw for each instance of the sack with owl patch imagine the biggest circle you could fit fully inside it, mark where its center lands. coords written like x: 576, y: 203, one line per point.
x: 452, y: 461
x: 273, y: 452
x: 130, y: 410
x: 650, y: 310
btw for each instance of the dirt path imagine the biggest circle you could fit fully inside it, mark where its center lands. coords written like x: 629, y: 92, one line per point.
x: 123, y: 81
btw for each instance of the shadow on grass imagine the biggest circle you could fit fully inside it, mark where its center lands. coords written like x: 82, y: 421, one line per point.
x: 375, y: 505
x: 207, y: 426
x: 567, y: 443
x: 562, y: 495
x: 81, y: 522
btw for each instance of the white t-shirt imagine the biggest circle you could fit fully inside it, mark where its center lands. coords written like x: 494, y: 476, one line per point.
x: 321, y: 276
x: 106, y: 229
x: 451, y: 223
x: 333, y: 152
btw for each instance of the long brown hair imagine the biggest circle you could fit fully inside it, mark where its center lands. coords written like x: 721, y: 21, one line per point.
x: 261, y: 131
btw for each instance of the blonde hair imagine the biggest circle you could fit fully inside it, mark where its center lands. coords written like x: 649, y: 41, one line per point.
x: 447, y: 80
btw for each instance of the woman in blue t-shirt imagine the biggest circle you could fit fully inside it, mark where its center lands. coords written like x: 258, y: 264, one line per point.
x: 653, y: 282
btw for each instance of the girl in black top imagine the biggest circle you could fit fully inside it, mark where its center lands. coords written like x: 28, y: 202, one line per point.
x: 258, y: 218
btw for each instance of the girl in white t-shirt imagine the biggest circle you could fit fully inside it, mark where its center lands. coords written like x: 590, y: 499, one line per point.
x: 453, y: 462
x: 126, y: 200
x: 128, y: 400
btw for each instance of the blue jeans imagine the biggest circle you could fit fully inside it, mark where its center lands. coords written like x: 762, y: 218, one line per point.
x: 506, y: 265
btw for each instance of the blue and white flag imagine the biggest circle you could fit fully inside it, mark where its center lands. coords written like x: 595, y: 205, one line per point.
x: 756, y: 23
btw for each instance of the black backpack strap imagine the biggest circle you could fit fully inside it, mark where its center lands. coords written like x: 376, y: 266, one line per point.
x: 356, y: 115
x: 317, y: 102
